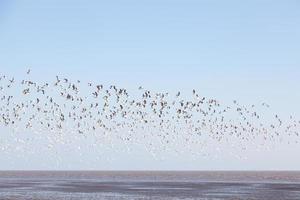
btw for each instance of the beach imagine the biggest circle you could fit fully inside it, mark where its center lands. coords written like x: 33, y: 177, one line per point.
x: 46, y: 185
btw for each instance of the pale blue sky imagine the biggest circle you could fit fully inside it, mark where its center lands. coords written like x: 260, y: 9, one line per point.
x: 245, y: 50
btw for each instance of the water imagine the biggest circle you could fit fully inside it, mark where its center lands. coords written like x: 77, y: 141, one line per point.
x: 45, y: 185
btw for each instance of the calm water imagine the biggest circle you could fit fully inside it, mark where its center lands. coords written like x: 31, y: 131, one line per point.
x: 149, y: 185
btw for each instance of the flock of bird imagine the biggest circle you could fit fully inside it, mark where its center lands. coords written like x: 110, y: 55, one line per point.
x: 65, y: 106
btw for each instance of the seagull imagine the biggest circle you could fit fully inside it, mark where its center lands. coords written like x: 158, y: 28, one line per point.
x: 69, y: 107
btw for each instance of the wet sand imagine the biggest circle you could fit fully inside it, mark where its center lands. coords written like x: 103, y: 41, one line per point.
x: 150, y: 185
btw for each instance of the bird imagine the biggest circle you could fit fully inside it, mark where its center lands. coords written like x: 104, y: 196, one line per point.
x: 110, y: 110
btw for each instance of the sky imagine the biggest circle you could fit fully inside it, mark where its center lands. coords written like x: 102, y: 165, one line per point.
x: 244, y: 50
